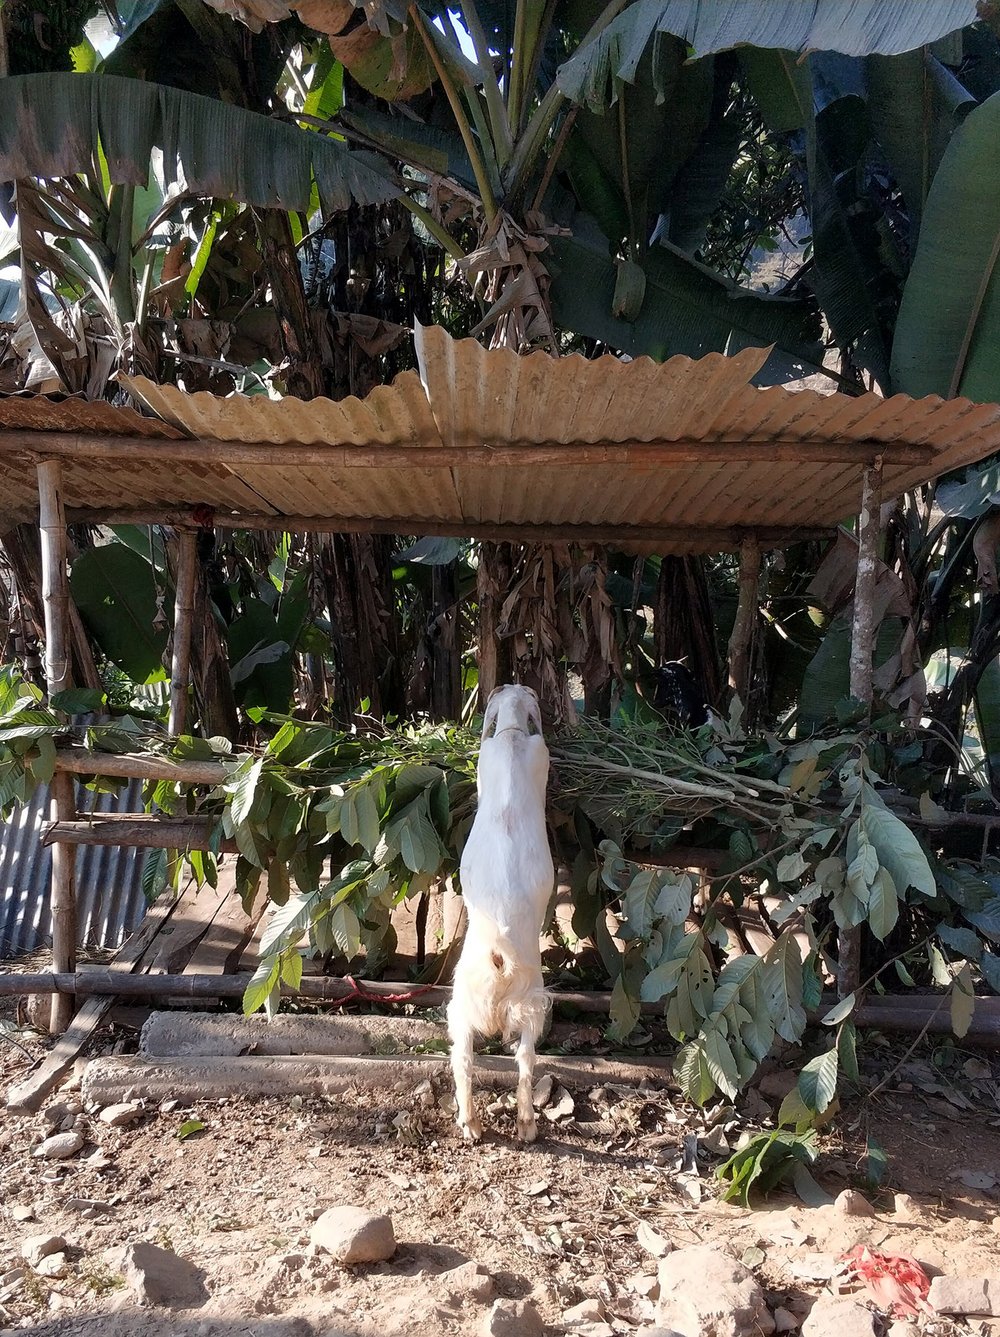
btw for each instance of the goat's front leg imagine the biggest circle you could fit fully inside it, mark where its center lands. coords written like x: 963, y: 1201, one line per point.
x: 527, y: 1127
x: 461, y: 1066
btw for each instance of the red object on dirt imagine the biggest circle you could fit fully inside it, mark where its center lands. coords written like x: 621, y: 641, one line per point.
x: 897, y: 1282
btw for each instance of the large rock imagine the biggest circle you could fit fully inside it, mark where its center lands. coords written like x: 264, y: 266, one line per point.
x: 833, y: 1317
x: 706, y: 1292
x: 512, y: 1318
x: 159, y: 1277
x: 121, y: 1115
x: 37, y: 1247
x: 960, y: 1295
x: 354, y: 1235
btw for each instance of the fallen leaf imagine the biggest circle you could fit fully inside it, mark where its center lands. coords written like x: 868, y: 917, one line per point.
x: 980, y: 1180
x: 563, y: 1108
x: 752, y: 1257
x: 189, y: 1127
x: 539, y: 1186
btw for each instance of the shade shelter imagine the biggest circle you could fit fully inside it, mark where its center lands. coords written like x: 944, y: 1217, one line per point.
x: 680, y: 457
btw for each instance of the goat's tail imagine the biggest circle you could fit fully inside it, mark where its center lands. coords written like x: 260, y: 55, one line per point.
x: 497, y: 991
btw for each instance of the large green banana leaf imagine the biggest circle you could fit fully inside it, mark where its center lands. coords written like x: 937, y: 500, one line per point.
x: 685, y: 308
x: 51, y: 124
x: 884, y: 27
x: 947, y: 339
x: 915, y: 104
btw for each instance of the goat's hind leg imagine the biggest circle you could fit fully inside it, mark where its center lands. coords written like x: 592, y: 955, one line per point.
x: 532, y: 1018
x: 462, y: 1036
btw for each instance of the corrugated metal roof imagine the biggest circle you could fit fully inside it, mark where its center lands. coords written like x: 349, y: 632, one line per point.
x: 680, y: 456
x: 61, y: 413
x: 109, y: 895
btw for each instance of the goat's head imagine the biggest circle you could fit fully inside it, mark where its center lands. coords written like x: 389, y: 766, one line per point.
x: 512, y: 707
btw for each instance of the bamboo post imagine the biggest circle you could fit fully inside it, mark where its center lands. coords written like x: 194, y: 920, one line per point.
x: 180, y: 661
x: 55, y: 598
x: 741, y: 640
x: 863, y: 628
x: 862, y: 671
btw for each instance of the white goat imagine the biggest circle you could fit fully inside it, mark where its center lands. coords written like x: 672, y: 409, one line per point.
x: 507, y: 879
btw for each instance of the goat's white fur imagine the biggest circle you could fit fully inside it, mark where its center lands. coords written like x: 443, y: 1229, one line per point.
x: 507, y: 878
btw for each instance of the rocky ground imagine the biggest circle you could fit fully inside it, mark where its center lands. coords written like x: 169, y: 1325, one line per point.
x: 357, y: 1217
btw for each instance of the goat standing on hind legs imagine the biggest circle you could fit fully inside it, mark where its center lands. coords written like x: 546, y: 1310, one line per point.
x: 507, y: 879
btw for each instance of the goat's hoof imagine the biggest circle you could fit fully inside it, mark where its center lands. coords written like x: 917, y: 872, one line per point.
x: 527, y: 1129
x: 472, y: 1130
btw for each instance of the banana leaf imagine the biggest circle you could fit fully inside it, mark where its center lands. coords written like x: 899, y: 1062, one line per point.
x: 51, y: 125
x: 947, y: 339
x: 883, y: 27
x: 686, y: 308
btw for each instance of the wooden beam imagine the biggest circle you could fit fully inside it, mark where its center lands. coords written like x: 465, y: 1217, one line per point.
x: 477, y: 454
x: 180, y: 659
x: 62, y: 800
x: 132, y: 766
x: 703, y: 537
x: 144, y: 831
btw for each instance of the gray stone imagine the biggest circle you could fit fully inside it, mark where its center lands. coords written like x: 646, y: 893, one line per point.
x: 645, y: 1285
x: 468, y: 1281
x: 785, y: 1320
x: 37, y: 1247
x: 959, y: 1295
x: 592, y: 1330
x: 120, y: 1116
x: 906, y: 1207
x: 59, y: 1147
x: 512, y: 1318
x: 706, y: 1292
x: 354, y: 1235
x: 21, y: 1212
x: 159, y: 1277
x: 853, y: 1203
x: 833, y: 1317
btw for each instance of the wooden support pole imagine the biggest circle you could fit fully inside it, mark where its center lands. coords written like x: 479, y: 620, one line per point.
x: 862, y: 672
x: 180, y: 660
x: 740, y: 642
x: 55, y: 598
x: 863, y: 626
x: 144, y: 831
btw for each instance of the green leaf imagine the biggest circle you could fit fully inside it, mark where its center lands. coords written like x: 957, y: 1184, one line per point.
x: 848, y: 1051
x: 989, y: 964
x: 263, y: 983
x: 50, y: 125
x: 807, y: 1189
x: 876, y: 1162
x: 288, y: 923
x: 947, y: 339
x: 783, y: 987
x: 243, y: 783
x: 720, y: 1060
x: 154, y: 874
x: 291, y: 968
x: 78, y: 700
x: 640, y: 900
x: 883, y: 905
x: 346, y: 929
x: 963, y: 1002
x: 795, y: 1112
x: 899, y: 851
x: 818, y: 1081
x: 189, y: 1127
x: 115, y: 592
x: 694, y: 1074
x: 624, y: 1011
x: 961, y: 940
x: 840, y: 1011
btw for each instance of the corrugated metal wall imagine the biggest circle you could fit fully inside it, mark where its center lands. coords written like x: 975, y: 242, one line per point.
x: 109, y: 894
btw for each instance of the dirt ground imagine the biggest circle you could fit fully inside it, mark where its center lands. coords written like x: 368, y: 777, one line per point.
x: 564, y: 1220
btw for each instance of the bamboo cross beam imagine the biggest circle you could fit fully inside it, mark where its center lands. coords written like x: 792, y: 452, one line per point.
x: 475, y: 454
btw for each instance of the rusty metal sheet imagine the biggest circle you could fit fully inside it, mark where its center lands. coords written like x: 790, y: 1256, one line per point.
x: 397, y: 414
x: 26, y: 412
